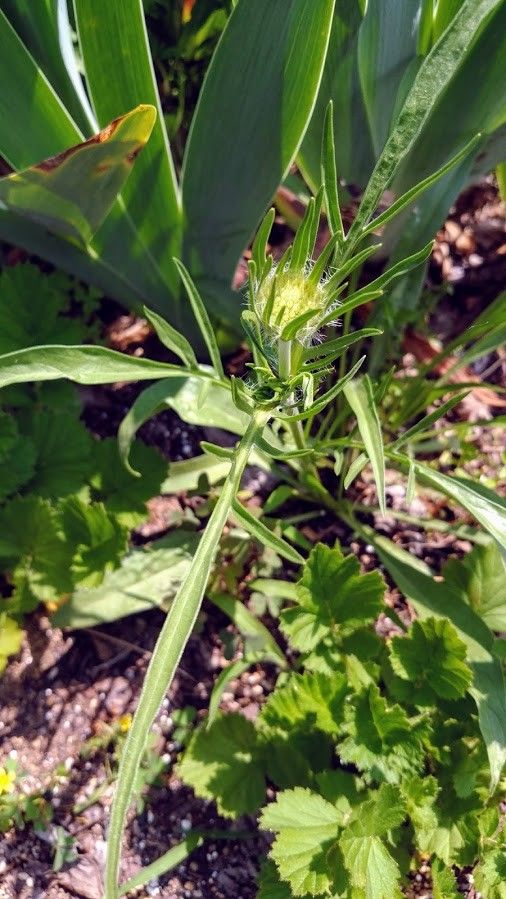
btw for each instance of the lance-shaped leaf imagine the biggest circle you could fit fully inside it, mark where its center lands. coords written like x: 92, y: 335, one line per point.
x: 81, y: 364
x: 360, y: 396
x: 71, y: 193
x: 433, y: 78
x: 264, y: 535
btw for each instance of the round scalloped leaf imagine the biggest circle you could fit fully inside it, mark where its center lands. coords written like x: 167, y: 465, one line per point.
x: 432, y: 659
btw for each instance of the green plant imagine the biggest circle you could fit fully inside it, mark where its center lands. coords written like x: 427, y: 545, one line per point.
x: 276, y: 50
x: 17, y: 808
x: 183, y: 37
x: 285, y: 411
x: 380, y: 56
x: 377, y: 50
x: 372, y: 745
x: 80, y: 502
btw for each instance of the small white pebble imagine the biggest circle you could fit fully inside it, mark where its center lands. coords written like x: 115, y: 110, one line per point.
x: 186, y: 824
x: 13, y: 754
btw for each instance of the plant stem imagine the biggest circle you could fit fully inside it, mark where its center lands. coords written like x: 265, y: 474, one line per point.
x: 169, y: 649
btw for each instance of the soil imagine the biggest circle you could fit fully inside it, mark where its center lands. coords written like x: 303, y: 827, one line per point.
x: 65, y: 688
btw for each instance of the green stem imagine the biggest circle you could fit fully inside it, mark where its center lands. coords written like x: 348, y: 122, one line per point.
x: 169, y: 649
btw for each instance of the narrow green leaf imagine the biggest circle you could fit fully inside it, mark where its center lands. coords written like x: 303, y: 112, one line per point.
x: 326, y: 398
x: 411, y: 484
x: 83, y: 365
x: 316, y: 273
x: 356, y: 300
x: 352, y: 264
x: 71, y: 193
x: 259, y: 247
x: 360, y: 395
x: 231, y: 672
x: 257, y: 636
x: 486, y: 506
x: 355, y: 468
x: 172, y: 339
x: 221, y: 452
x: 292, y: 328
x: 335, y: 348
x: 329, y: 176
x: 167, y: 653
x: 419, y: 188
x: 169, y: 860
x: 300, y: 245
x: 265, y: 537
x: 203, y: 320
x: 434, y: 76
x: 428, y: 420
x: 395, y: 271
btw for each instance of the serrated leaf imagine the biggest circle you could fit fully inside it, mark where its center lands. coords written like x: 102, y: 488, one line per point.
x: 147, y: 578
x: 382, y: 742
x: 307, y: 701
x: 270, y: 885
x: 63, y: 454
x: 17, y: 457
x: 444, y: 825
x: 98, y: 539
x: 480, y: 578
x: 434, y: 599
x: 222, y: 763
x: 306, y: 828
x: 371, y: 867
x: 33, y: 549
x: 432, y: 658
x: 444, y: 885
x: 490, y: 875
x: 124, y: 494
x: 331, y: 594
x: 31, y: 303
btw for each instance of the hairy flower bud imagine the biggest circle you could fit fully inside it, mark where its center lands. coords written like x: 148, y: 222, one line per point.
x: 285, y: 296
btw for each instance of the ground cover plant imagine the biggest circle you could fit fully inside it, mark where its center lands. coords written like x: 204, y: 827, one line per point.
x: 389, y: 755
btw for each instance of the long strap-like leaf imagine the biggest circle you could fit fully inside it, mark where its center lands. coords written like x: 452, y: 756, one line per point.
x: 168, y: 650
x: 435, y: 73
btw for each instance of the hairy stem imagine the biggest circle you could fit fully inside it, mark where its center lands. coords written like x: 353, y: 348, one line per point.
x: 169, y: 649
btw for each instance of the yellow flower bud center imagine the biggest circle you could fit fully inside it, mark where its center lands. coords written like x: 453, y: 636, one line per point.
x: 294, y: 296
